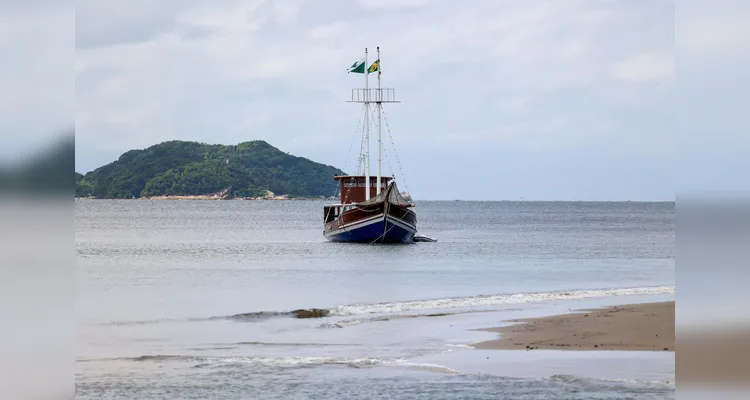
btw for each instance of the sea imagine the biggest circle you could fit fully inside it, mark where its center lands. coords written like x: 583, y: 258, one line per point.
x: 200, y: 300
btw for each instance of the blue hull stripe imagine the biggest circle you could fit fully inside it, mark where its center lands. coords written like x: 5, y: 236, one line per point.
x: 358, y: 224
x: 396, y: 231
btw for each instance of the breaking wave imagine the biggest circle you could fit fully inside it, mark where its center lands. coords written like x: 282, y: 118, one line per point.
x: 400, y: 307
x: 463, y: 302
x: 492, y: 300
x: 579, y: 380
x: 280, y: 344
x: 284, y: 362
x: 254, y: 316
x: 262, y: 315
x: 351, y: 322
x: 203, y: 361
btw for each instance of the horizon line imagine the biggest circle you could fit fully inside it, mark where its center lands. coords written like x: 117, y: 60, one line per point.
x: 441, y: 200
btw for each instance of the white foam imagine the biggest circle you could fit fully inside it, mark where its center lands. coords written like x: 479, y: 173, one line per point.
x: 492, y: 300
x: 319, y: 361
x: 341, y: 324
x: 300, y: 361
x: 428, y: 367
x: 638, y: 382
x: 460, y: 346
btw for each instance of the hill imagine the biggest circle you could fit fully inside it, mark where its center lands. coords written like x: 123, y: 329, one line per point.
x: 179, y: 168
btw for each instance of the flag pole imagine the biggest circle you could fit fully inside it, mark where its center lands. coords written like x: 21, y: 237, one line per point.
x: 379, y: 99
x: 368, y: 185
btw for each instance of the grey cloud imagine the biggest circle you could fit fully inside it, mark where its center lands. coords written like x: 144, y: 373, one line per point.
x: 113, y: 22
x: 494, y: 83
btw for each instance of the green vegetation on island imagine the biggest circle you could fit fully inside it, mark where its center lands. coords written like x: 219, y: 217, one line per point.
x: 179, y: 168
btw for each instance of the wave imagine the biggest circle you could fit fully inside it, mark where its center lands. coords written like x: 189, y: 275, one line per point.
x: 579, y: 380
x: 428, y: 367
x: 262, y: 315
x: 401, y: 307
x: 472, y: 301
x: 491, y: 300
x: 344, y: 323
x: 283, y: 362
x: 372, y: 362
x: 202, y: 361
x: 150, y: 357
x: 253, y: 316
x: 281, y: 344
x: 351, y: 322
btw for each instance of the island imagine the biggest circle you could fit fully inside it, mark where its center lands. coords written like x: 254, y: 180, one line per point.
x: 192, y: 170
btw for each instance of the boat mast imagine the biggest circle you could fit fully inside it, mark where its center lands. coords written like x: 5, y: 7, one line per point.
x: 367, y: 132
x: 382, y: 95
x: 379, y: 99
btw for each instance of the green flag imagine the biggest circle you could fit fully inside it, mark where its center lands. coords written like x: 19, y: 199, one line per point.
x: 358, y: 67
x: 374, y: 67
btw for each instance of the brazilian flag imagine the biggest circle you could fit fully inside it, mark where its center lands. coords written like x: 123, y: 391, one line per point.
x: 359, y: 67
x: 374, y: 67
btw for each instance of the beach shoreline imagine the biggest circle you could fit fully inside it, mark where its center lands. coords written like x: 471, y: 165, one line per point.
x: 639, y: 327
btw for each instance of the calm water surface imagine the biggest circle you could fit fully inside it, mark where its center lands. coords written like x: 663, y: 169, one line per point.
x: 193, y: 299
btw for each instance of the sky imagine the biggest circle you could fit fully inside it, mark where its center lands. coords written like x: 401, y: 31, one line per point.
x: 37, y: 89
x: 500, y: 99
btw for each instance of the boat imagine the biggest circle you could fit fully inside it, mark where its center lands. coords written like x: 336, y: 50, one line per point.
x: 370, y: 209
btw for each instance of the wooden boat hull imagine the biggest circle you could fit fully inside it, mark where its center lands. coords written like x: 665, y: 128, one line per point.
x: 385, y: 218
x: 375, y: 229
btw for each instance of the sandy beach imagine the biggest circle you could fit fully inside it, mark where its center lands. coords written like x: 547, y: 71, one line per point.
x: 648, y: 327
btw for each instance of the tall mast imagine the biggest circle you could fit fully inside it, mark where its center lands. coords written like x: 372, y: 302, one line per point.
x: 364, y: 95
x: 379, y: 103
x: 367, y: 133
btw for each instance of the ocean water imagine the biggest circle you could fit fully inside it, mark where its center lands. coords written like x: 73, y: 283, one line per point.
x: 198, y: 299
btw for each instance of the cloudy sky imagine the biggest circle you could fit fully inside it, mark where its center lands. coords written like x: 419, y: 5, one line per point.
x: 558, y: 99
x: 37, y: 98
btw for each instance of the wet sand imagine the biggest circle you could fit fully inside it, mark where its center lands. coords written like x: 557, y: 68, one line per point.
x: 645, y: 327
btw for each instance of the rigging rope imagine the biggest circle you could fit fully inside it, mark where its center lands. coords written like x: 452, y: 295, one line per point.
x: 351, y: 144
x: 398, y: 162
x: 361, y: 158
x: 362, y: 164
x: 388, y: 160
x: 348, y: 153
x: 354, y: 136
x: 383, y: 235
x: 385, y: 154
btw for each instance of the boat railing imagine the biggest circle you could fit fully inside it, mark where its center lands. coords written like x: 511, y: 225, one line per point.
x: 374, y: 95
x: 350, y: 205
